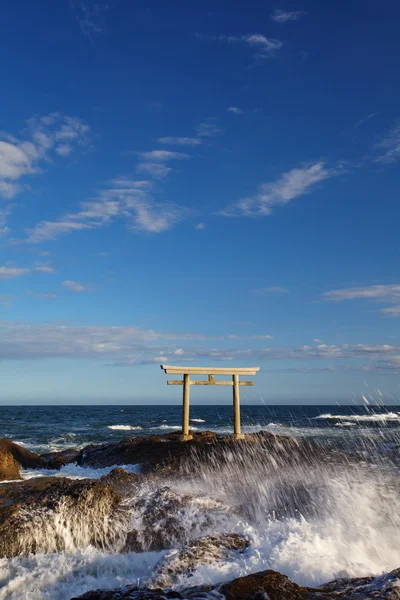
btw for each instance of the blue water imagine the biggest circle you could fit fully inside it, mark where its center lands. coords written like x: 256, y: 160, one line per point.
x: 50, y: 428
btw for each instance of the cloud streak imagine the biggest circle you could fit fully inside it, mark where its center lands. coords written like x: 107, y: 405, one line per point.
x: 124, y: 198
x: 290, y: 185
x: 265, y: 47
x: 284, y: 16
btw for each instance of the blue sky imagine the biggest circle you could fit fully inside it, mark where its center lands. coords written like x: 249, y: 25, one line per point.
x: 199, y: 182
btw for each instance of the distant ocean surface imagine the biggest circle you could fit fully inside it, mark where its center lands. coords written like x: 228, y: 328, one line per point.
x: 51, y: 428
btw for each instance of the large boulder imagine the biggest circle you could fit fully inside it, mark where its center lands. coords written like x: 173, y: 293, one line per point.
x: 269, y: 585
x: 55, y: 514
x: 12, y: 456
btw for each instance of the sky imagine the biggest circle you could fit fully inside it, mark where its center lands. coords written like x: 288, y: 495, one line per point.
x: 199, y: 182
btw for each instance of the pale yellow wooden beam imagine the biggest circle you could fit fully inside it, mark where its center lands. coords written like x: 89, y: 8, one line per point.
x: 180, y: 382
x: 209, y: 370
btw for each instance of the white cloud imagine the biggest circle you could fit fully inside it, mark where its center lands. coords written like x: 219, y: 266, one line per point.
x: 389, y: 292
x: 179, y: 141
x: 74, y: 286
x: 163, y: 155
x: 21, y: 158
x: 157, y: 170
x: 283, y: 16
x: 393, y: 311
x: 235, y: 110
x: 317, y: 340
x: 64, y: 149
x: 391, y: 145
x: 126, y: 199
x: 209, y: 128
x: 10, y: 271
x: 266, y: 47
x: 290, y: 185
x: 90, y: 16
x: 365, y: 119
x: 200, y: 226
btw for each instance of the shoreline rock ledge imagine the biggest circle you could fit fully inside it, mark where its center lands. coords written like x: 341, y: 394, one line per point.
x: 264, y: 585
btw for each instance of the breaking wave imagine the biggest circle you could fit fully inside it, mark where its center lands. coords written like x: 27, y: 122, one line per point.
x: 389, y: 416
x: 125, y: 427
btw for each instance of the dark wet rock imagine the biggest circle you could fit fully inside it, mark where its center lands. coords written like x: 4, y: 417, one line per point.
x: 164, y: 519
x: 12, y: 455
x: 54, y: 514
x: 57, y: 460
x: 206, y: 550
x: 383, y: 587
x: 167, y: 454
x: 266, y: 585
x: 122, y: 481
x: 134, y: 593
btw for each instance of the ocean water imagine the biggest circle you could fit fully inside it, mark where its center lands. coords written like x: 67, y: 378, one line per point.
x: 348, y: 527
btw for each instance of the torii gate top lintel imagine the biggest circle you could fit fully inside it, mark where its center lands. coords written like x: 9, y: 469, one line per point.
x: 211, y: 372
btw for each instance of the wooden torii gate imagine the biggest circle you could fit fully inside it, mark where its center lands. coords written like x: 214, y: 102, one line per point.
x: 211, y: 372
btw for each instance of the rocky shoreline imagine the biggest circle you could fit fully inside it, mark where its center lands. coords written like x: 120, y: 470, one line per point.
x: 57, y: 514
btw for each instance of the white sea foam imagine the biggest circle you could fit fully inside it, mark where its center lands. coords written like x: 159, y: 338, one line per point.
x: 125, y: 427
x: 73, y: 471
x: 63, y: 576
x: 198, y: 420
x: 389, y: 416
x: 346, y: 424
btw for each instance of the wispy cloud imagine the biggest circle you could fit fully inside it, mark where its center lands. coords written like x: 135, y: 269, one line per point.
x: 235, y: 110
x: 90, y: 15
x: 200, y: 226
x: 179, y: 141
x: 265, y: 47
x: 365, y: 119
x: 47, y: 136
x: 390, y: 145
x: 377, y: 293
x: 372, y: 292
x: 283, y: 16
x: 124, y: 198
x: 74, y: 286
x: 290, y: 185
x: 11, y: 271
x: 209, y: 128
x: 153, y: 163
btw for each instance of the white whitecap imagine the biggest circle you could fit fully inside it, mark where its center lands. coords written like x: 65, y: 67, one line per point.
x: 125, y: 427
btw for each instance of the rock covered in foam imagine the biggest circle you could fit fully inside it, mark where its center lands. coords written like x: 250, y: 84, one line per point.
x: 206, y: 550
x: 12, y: 456
x: 265, y: 585
x: 54, y: 514
x: 164, y: 519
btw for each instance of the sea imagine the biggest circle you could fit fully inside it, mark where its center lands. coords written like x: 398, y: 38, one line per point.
x: 353, y: 529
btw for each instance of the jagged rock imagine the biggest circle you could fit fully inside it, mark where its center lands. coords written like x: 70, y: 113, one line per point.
x: 122, y: 481
x: 12, y: 455
x: 206, y: 550
x: 56, y: 460
x: 54, y: 514
x: 266, y: 585
x: 159, y: 515
x: 383, y: 587
x: 134, y: 593
x: 9, y: 468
